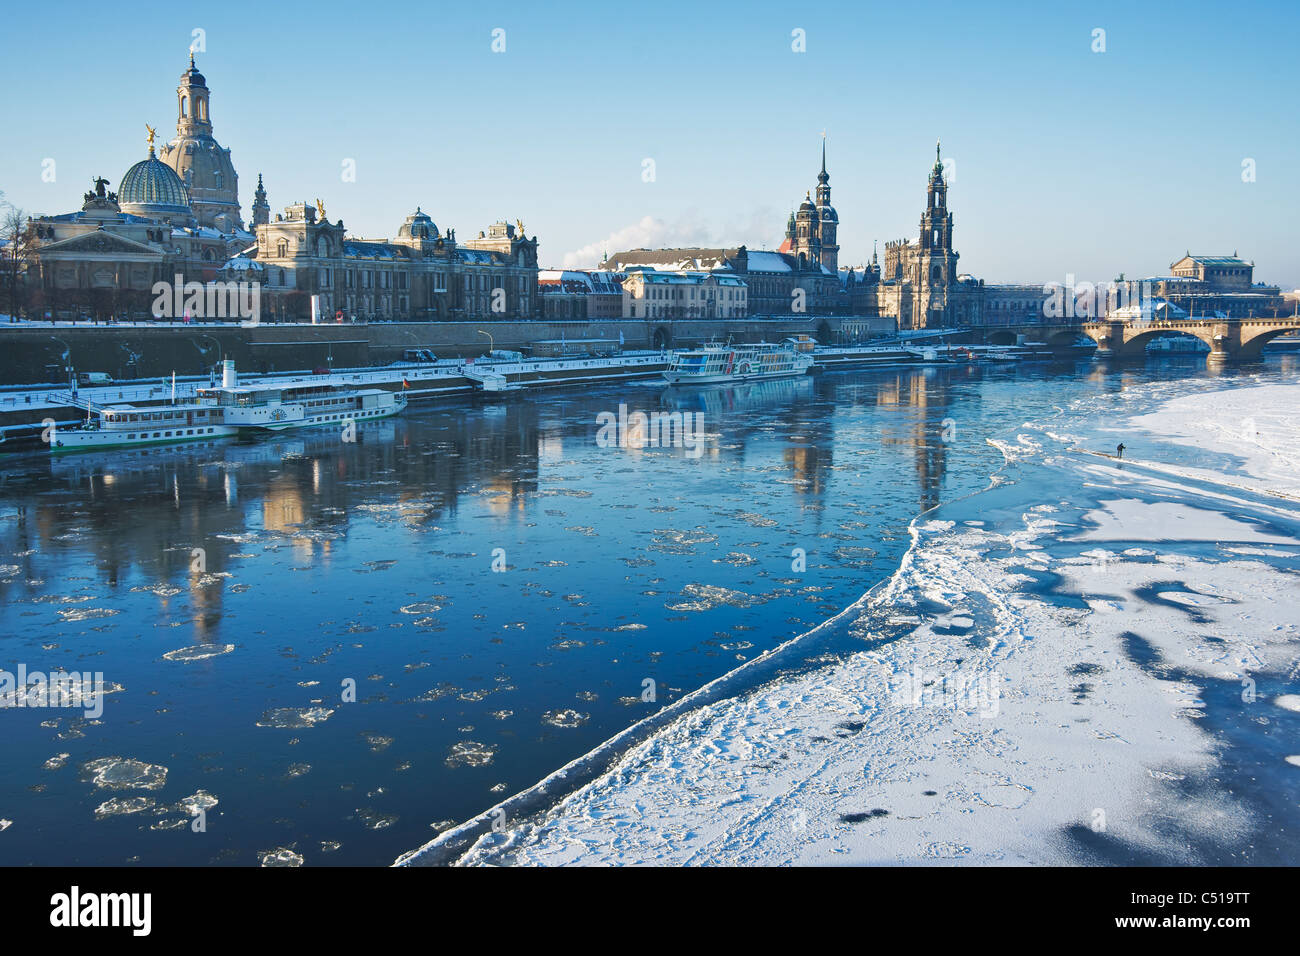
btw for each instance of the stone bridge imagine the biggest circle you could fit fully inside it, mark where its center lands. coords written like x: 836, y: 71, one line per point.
x: 1229, y: 340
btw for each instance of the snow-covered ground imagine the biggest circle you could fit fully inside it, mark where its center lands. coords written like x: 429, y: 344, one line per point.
x: 1107, y: 675
x: 1253, y: 428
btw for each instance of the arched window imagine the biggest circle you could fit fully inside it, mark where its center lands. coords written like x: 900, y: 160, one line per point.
x: 185, y: 106
x: 216, y: 180
x: 282, y: 250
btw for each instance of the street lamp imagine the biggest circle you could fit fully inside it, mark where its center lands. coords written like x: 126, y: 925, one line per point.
x: 491, y: 341
x: 221, y: 355
x: 66, y: 357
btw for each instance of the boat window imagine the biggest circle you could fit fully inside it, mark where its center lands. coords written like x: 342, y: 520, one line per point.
x: 132, y: 435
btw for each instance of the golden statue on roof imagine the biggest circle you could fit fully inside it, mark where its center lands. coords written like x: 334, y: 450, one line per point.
x: 152, y: 132
x: 320, y: 208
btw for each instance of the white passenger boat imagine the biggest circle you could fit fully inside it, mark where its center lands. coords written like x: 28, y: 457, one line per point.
x: 738, y: 363
x: 226, y: 410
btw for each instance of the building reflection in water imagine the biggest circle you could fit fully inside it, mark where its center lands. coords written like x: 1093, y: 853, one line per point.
x: 923, y: 398
x: 139, y: 513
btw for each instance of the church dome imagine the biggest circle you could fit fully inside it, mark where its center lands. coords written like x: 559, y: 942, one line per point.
x: 192, y: 76
x: 151, y: 188
x: 202, y: 164
x: 418, y: 225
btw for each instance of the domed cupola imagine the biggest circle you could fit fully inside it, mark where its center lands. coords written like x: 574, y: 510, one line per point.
x: 417, y: 229
x: 152, y: 189
x: 202, y: 163
x: 418, y: 226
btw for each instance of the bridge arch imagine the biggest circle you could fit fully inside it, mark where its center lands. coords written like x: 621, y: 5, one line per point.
x: 1137, y: 342
x: 1001, y: 337
x: 1253, y: 341
x: 662, y: 338
x: 1067, y: 338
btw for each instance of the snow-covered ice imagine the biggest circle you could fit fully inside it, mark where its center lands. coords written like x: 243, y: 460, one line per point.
x: 1083, y: 680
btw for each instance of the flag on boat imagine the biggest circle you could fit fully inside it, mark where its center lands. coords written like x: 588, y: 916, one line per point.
x: 405, y: 383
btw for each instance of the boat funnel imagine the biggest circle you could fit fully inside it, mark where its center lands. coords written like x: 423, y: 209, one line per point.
x: 229, y: 378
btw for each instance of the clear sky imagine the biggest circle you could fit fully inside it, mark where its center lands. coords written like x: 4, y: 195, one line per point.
x: 1065, y: 160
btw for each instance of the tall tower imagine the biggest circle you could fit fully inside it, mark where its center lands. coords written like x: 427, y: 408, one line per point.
x: 936, y: 260
x: 828, y: 219
x: 201, y: 162
x: 261, y: 208
x: 936, y: 223
x: 807, y: 231
x: 192, y: 117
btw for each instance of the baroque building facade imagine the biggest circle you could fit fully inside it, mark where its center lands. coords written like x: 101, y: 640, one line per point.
x: 801, y: 276
x: 1207, y: 285
x: 102, y: 261
x: 313, y: 269
x: 177, y: 213
x: 651, y: 294
x: 202, y: 163
x: 919, y: 285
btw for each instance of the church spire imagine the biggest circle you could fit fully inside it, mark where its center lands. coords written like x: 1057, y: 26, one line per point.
x: 261, y: 208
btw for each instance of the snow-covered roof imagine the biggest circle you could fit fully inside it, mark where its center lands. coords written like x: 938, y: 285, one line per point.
x: 481, y: 256
x: 362, y: 249
x: 762, y: 261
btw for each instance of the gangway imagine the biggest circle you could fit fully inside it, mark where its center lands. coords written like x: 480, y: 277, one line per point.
x: 73, y: 399
x: 488, y: 380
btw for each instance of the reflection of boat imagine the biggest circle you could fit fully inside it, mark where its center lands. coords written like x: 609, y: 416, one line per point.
x: 1001, y: 357
x: 270, y: 448
x: 1176, y: 342
x: 731, y: 396
x: 739, y: 363
x: 228, y: 409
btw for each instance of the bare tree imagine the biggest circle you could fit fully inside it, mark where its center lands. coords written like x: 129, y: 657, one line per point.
x: 19, y: 248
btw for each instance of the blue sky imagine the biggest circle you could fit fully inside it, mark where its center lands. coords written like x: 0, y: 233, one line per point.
x: 1066, y: 160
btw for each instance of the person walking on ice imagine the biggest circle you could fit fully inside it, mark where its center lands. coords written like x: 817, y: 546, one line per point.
x: 1119, y: 450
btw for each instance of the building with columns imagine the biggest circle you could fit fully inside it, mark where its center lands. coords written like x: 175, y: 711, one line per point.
x: 177, y: 212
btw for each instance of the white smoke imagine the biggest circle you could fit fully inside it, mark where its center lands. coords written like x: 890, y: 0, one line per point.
x: 650, y: 232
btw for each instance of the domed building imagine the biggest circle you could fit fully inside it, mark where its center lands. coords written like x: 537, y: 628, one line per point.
x: 418, y: 226
x: 152, y: 190
x: 201, y: 162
